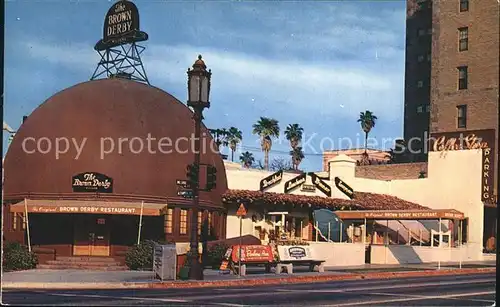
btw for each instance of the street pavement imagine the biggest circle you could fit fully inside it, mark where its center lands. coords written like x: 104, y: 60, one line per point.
x: 455, y: 290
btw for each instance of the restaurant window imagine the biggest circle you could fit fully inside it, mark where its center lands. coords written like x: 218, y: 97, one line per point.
x: 462, y: 78
x: 200, y: 219
x: 462, y: 116
x: 465, y: 230
x: 183, y: 222
x: 464, y: 5
x: 209, y: 224
x: 463, y: 39
x: 169, y: 221
x: 23, y: 220
x: 428, y: 108
x: 14, y: 221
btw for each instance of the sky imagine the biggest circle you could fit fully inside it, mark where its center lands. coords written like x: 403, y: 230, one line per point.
x: 314, y: 63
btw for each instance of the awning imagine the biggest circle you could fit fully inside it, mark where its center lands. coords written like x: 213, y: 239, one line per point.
x: 88, y: 207
x: 401, y: 214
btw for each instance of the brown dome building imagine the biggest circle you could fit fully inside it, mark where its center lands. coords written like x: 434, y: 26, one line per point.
x: 91, y: 158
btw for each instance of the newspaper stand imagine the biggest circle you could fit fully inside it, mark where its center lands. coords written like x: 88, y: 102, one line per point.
x: 165, y: 262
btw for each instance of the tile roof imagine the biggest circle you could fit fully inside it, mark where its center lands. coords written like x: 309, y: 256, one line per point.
x: 361, y: 201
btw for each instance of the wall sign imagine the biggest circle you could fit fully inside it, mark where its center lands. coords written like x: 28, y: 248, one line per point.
x: 308, y: 188
x: 296, y: 252
x: 92, y: 182
x: 121, y: 26
x: 476, y: 139
x: 344, y: 188
x: 253, y: 253
x: 295, y: 182
x: 321, y: 185
x: 271, y: 180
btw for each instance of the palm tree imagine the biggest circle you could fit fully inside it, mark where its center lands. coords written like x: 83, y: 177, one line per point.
x: 367, y: 120
x: 220, y: 137
x: 297, y: 157
x: 293, y: 133
x: 247, y: 159
x: 266, y: 128
x: 234, y: 137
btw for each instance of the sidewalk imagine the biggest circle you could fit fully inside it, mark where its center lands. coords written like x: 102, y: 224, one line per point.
x: 80, y: 279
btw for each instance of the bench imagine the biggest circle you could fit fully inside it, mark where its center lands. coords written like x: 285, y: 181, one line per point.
x: 244, y: 265
x: 288, y: 265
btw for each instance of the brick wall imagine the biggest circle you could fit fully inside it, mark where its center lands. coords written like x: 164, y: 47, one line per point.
x: 481, y: 58
x: 391, y: 171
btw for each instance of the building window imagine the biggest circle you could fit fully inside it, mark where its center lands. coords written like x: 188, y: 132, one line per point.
x: 209, y: 230
x: 23, y: 218
x: 428, y: 57
x: 428, y: 108
x: 462, y: 78
x: 169, y: 221
x: 429, y: 31
x: 14, y: 221
x: 462, y: 116
x: 463, y: 39
x: 420, y: 83
x: 420, y: 58
x: 464, y: 5
x: 183, y: 222
x: 200, y: 215
x: 420, y: 109
x: 421, y: 32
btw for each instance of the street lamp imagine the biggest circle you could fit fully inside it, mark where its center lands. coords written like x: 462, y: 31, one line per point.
x: 198, y: 99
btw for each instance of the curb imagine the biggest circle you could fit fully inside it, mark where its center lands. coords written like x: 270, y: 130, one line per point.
x: 243, y: 282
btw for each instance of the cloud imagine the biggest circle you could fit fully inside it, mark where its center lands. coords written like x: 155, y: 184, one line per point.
x: 297, y: 85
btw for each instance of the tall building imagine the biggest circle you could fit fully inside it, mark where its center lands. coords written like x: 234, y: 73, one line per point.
x: 417, y: 76
x: 452, y: 67
x: 453, y: 93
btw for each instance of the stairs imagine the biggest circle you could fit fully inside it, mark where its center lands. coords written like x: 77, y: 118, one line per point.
x: 83, y: 263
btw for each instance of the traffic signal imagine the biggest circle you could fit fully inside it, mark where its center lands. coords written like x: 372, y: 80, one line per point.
x: 211, y: 177
x: 192, y: 173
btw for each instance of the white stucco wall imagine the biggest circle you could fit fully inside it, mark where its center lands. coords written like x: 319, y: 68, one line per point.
x: 453, y: 182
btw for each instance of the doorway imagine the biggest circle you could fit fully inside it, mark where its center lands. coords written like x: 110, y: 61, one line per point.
x: 91, y: 235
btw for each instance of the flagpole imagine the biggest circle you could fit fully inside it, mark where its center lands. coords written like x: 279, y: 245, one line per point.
x: 27, y: 223
x: 140, y: 224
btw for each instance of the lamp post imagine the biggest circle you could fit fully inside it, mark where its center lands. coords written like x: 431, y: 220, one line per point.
x: 198, y: 99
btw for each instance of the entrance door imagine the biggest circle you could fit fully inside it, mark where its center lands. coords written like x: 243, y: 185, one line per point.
x: 91, y: 236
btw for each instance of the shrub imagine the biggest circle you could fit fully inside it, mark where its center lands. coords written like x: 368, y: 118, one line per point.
x: 140, y: 257
x: 17, y: 257
x: 215, y: 255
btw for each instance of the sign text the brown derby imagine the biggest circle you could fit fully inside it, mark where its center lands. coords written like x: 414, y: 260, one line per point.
x: 92, y: 182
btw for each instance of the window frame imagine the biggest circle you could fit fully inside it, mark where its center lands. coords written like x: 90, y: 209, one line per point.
x: 464, y: 40
x: 420, y: 83
x: 420, y: 109
x: 170, y: 214
x: 463, y: 5
x: 463, y: 83
x: 183, y: 224
x: 462, y: 120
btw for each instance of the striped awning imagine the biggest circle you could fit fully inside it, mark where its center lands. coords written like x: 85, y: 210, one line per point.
x: 88, y: 207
